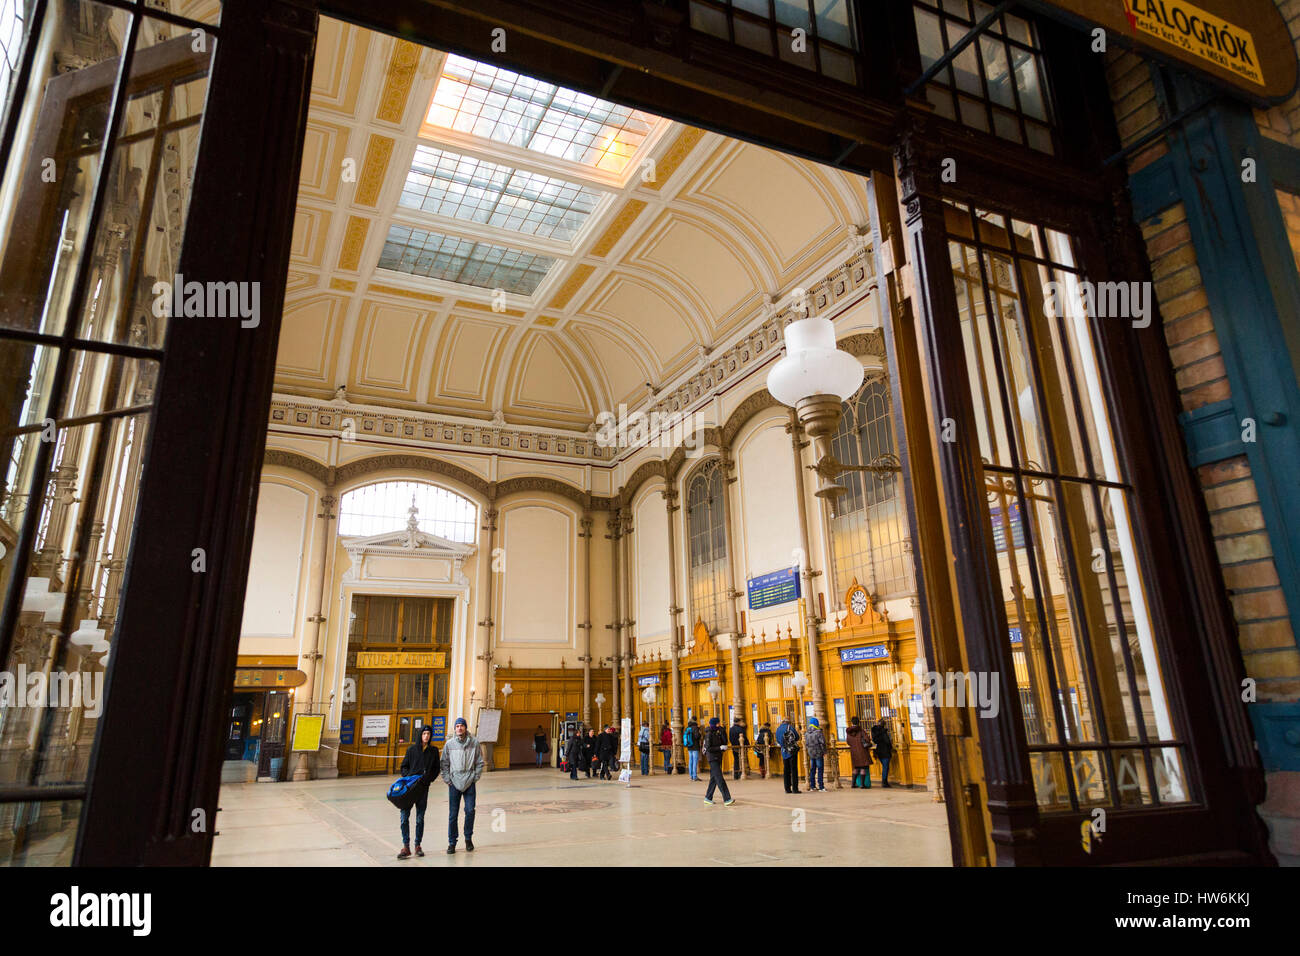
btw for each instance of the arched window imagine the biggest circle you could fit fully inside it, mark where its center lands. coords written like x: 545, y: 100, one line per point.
x: 386, y: 506
x: 869, y: 535
x: 707, y: 536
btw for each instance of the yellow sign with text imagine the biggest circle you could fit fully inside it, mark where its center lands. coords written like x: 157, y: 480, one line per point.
x: 424, y: 660
x: 1199, y: 33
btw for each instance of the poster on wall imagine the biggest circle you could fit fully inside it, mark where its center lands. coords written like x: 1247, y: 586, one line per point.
x: 439, y: 725
x: 841, y: 721
x: 374, y: 726
x: 916, y: 718
x: 306, y: 731
x: 489, y: 724
x: 625, y: 741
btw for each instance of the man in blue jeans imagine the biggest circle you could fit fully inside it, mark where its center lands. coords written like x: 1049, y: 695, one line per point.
x: 462, y: 765
x: 643, y: 745
x: 422, y: 758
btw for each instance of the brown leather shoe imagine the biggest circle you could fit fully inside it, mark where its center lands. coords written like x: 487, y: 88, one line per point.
x: 404, y: 853
x: 418, y: 851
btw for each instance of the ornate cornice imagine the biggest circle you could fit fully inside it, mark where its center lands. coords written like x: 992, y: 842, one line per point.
x: 281, y: 458
x: 334, y: 417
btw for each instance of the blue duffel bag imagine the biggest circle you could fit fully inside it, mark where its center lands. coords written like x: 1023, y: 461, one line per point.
x: 404, y: 791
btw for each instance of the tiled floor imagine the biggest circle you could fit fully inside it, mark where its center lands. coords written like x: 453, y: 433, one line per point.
x: 541, y: 818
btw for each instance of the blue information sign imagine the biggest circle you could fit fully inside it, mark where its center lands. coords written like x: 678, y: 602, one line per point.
x: 347, y: 729
x: 850, y: 655
x: 1015, y: 635
x: 439, y: 727
x: 778, y: 587
x: 647, y: 680
x: 704, y: 673
x: 768, y: 667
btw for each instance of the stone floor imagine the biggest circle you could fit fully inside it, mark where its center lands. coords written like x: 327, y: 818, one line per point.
x: 532, y: 817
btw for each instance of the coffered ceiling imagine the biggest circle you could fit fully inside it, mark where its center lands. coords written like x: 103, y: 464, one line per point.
x: 549, y: 256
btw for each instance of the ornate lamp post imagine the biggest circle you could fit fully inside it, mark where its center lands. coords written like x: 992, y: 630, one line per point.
x: 600, y: 710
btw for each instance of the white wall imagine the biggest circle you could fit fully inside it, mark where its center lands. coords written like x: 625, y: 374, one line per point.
x: 650, y: 564
x: 538, y: 582
x: 280, y: 542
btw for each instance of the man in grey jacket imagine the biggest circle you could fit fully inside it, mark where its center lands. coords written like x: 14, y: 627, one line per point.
x: 462, y: 765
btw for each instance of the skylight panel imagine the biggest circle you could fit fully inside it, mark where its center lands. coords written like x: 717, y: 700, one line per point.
x: 436, y: 256
x: 461, y: 187
x: 499, y: 105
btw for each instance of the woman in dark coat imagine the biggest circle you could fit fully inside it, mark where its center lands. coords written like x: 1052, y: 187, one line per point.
x: 605, y: 744
x: 860, y: 751
x: 884, y: 748
x: 573, y: 755
x: 589, y: 750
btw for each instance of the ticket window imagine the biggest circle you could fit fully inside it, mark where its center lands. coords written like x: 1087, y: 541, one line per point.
x: 872, y: 699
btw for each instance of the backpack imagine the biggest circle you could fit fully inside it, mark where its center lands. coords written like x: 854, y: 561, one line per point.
x: 689, y: 738
x: 791, y: 739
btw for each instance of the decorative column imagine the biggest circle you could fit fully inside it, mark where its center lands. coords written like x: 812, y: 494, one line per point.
x: 488, y: 528
x: 616, y: 604
x: 625, y: 584
x: 321, y: 550
x: 585, y: 534
x: 675, y: 715
x: 733, y: 619
x: 811, y: 621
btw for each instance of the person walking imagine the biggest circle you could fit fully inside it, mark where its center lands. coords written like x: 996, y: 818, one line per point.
x: 573, y: 755
x: 884, y: 748
x: 643, y: 745
x: 763, y: 748
x: 860, y: 751
x: 815, y: 742
x: 739, y: 746
x: 605, y: 744
x: 540, y: 745
x: 691, y: 741
x: 715, y: 742
x: 462, y: 765
x: 422, y: 758
x: 589, y: 751
x: 666, y: 742
x: 787, y: 738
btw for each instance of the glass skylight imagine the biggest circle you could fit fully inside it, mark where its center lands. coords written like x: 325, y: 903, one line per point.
x: 482, y: 264
x: 496, y: 104
x: 462, y: 187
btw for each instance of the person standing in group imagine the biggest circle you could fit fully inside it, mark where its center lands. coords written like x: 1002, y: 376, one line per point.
x: 691, y: 741
x: 573, y: 754
x: 815, y: 742
x: 763, y: 748
x: 540, y: 745
x: 462, y: 765
x: 884, y: 748
x: 422, y: 758
x: 605, y: 744
x: 787, y: 738
x: 643, y: 745
x: 739, y: 746
x: 715, y: 742
x: 860, y: 751
x: 666, y: 742
x: 589, y: 751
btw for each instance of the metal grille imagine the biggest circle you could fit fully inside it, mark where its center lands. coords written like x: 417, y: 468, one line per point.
x: 708, y: 545
x: 767, y: 26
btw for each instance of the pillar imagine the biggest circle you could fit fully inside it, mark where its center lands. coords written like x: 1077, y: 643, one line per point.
x: 585, y: 535
x: 625, y: 584
x: 733, y: 619
x: 314, y: 634
x: 674, y: 646
x: 616, y: 652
